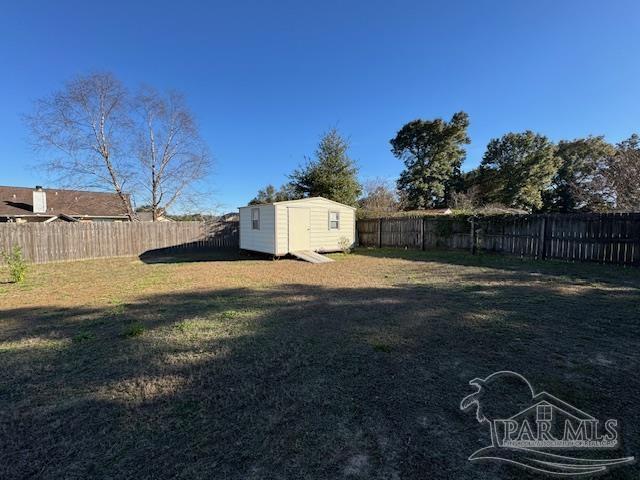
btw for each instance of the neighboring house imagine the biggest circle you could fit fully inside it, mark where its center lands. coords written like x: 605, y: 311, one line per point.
x: 439, y: 212
x: 21, y: 205
x: 146, y: 216
x: 279, y: 228
x: 432, y: 212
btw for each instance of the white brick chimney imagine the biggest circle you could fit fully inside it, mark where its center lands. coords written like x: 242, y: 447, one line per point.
x: 39, y: 200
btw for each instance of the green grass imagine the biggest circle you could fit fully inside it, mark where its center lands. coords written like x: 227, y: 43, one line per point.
x: 83, y: 337
x: 186, y: 326
x: 233, y: 367
x: 134, y: 330
x: 228, y: 314
x: 381, y: 347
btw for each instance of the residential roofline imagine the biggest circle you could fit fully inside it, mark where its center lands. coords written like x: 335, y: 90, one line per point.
x: 39, y: 215
x: 65, y: 190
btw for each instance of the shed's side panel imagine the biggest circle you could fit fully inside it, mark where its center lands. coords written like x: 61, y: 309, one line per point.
x: 262, y: 240
x: 282, y: 230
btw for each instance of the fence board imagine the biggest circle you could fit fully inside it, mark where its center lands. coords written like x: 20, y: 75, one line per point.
x: 602, y: 238
x: 51, y: 242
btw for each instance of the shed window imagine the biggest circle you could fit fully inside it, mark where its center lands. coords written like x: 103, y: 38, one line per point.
x: 334, y: 220
x: 255, y: 219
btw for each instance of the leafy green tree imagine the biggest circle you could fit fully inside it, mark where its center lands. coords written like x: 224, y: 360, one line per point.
x: 517, y: 168
x: 575, y: 187
x: 332, y: 174
x: 269, y: 195
x: 432, y: 152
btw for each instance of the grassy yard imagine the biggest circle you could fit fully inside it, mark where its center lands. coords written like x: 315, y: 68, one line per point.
x: 231, y: 367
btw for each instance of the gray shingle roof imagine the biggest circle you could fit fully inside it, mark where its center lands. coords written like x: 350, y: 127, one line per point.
x: 19, y: 201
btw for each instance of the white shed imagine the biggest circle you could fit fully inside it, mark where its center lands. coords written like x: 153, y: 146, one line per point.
x: 310, y: 224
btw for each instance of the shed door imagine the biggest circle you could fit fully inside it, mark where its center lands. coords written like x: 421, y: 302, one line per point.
x: 299, y: 227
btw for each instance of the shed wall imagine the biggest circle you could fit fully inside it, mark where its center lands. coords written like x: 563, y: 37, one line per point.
x: 262, y: 240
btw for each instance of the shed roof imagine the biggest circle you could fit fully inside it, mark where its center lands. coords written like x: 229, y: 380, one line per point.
x: 301, y: 200
x: 18, y: 201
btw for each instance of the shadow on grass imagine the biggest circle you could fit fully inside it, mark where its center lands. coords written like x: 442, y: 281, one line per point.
x: 302, y: 381
x: 172, y: 255
x: 587, y: 272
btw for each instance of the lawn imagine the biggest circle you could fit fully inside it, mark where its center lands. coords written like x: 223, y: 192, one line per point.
x: 223, y: 366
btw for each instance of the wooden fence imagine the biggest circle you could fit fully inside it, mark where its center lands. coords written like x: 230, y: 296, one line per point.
x: 52, y: 242
x: 602, y: 238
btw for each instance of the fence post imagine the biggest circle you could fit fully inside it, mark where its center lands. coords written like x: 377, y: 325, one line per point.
x: 542, y: 237
x: 380, y: 233
x: 473, y: 236
x: 422, y: 232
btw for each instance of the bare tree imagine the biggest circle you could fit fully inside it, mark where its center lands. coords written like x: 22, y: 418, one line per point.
x: 622, y: 175
x: 466, y: 201
x: 379, y: 198
x: 85, y: 127
x: 170, y: 150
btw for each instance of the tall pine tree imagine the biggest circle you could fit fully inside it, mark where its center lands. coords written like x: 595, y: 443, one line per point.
x: 331, y: 174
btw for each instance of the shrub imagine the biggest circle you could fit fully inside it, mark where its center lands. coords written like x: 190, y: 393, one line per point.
x: 345, y: 245
x: 17, y: 265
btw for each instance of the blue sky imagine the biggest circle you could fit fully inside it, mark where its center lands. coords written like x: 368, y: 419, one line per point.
x: 265, y: 79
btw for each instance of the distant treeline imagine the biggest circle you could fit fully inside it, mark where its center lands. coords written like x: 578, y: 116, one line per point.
x: 522, y: 171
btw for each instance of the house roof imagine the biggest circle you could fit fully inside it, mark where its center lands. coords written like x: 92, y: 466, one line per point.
x: 427, y: 212
x: 18, y: 201
x: 432, y: 212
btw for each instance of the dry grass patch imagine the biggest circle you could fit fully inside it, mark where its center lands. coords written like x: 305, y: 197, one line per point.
x: 229, y: 366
